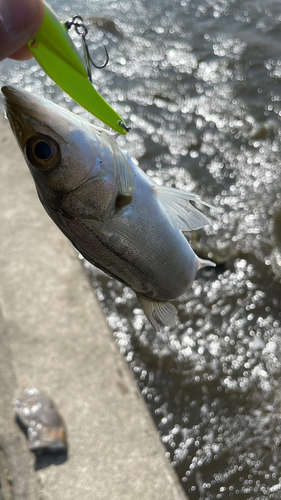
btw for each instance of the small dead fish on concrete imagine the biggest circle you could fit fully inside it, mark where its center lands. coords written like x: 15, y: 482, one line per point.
x: 112, y: 212
x: 39, y: 417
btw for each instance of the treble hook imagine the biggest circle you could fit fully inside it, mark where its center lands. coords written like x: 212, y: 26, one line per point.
x: 82, y: 31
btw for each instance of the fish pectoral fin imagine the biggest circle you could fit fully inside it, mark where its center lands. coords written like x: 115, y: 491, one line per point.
x: 157, y: 312
x: 181, y: 213
x: 124, y: 175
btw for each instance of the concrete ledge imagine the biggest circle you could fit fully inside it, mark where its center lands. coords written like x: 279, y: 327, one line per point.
x: 53, y: 336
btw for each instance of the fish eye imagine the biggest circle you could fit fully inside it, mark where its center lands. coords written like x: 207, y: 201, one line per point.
x: 42, y: 152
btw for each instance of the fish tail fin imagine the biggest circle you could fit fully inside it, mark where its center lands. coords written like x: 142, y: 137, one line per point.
x: 157, y: 312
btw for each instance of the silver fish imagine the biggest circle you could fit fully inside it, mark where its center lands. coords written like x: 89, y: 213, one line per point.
x: 112, y: 212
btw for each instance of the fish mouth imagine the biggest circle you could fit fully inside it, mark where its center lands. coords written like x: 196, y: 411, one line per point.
x: 15, y: 97
x: 11, y: 94
x: 19, y: 102
x: 24, y: 109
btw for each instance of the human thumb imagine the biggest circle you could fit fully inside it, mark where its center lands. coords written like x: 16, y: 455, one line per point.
x: 19, y: 21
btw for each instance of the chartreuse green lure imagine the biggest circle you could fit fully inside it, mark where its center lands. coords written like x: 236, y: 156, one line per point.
x: 53, y: 48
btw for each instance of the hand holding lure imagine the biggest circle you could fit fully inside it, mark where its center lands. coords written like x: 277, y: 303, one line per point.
x: 54, y: 50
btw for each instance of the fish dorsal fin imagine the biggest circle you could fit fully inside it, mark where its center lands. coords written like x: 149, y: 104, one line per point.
x: 181, y: 213
x: 125, y: 177
x: 157, y: 312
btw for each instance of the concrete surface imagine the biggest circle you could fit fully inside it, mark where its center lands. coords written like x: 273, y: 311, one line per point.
x: 53, y: 336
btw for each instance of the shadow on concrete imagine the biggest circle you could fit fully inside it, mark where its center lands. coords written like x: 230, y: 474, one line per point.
x: 45, y: 459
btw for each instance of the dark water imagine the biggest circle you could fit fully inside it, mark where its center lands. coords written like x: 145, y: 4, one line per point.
x: 200, y: 84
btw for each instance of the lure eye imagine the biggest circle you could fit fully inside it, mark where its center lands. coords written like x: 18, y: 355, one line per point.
x: 42, y: 152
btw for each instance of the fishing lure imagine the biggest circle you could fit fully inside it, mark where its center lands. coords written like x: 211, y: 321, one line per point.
x: 55, y: 51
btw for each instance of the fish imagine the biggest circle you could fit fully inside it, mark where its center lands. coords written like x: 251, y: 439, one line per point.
x: 115, y: 215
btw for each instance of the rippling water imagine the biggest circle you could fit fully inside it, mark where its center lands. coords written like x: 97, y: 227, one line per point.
x: 200, y: 83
